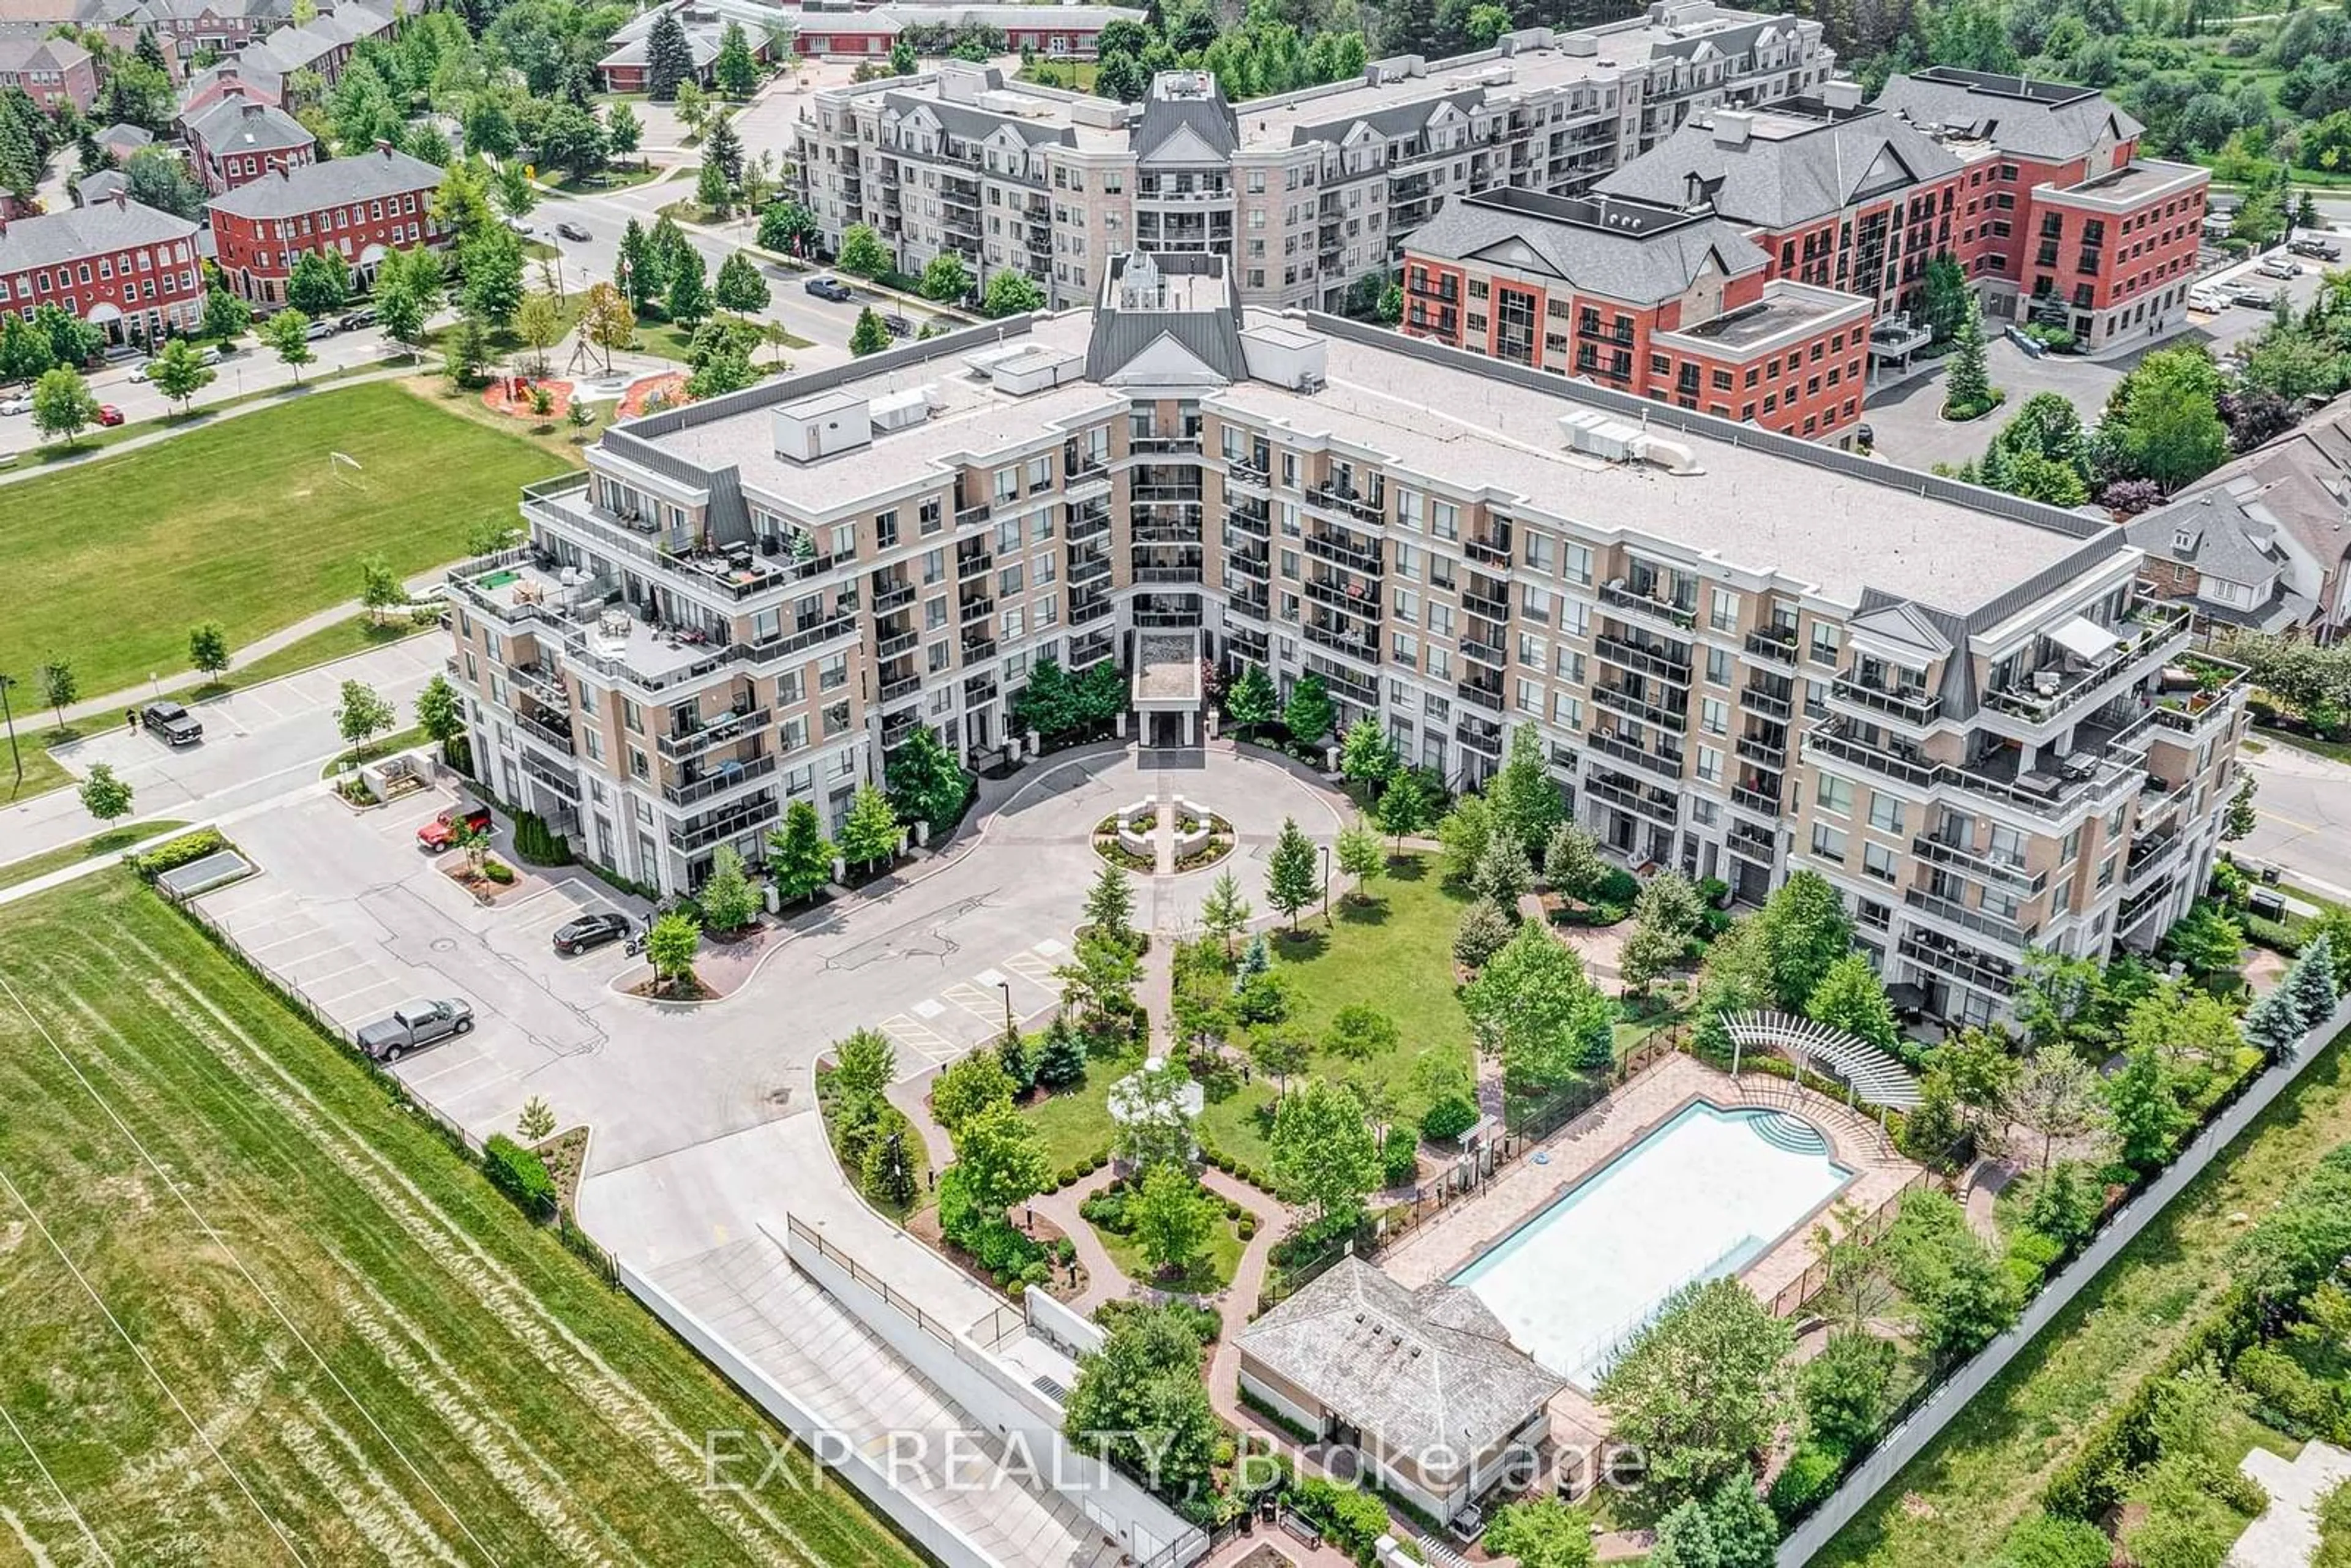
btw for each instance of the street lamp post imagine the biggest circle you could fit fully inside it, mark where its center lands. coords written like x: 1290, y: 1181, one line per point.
x: 1006, y: 986
x: 1326, y: 884
x: 10, y: 720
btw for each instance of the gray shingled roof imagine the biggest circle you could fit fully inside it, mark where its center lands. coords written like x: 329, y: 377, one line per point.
x: 256, y: 80
x: 1778, y: 182
x: 40, y: 54
x: 1172, y: 108
x: 2298, y: 485
x: 241, y: 124
x: 978, y: 125
x: 102, y: 229
x: 2014, y: 113
x: 1421, y: 1368
x: 290, y: 49
x: 1638, y: 267
x: 1211, y: 337
x: 292, y: 192
x: 1390, y: 122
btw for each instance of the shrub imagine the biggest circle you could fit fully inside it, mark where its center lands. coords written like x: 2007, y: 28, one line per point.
x: 2034, y: 1250
x: 173, y: 853
x: 2289, y: 1396
x: 1248, y: 1227
x: 2044, y: 1540
x: 499, y: 871
x: 537, y: 844
x: 1449, y: 1118
x: 1352, y: 1520
x: 1400, y: 1156
x: 1811, y: 1474
x: 519, y: 1174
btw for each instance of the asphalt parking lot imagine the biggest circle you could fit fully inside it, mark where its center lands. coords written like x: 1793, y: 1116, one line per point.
x: 350, y: 915
x: 1906, y: 417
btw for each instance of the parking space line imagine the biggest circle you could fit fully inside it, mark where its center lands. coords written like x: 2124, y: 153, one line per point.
x: 929, y: 1044
x: 1036, y: 970
x: 314, y: 982
x: 341, y: 997
x: 978, y: 1003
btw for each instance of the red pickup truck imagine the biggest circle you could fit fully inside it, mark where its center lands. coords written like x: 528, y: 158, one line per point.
x: 442, y: 832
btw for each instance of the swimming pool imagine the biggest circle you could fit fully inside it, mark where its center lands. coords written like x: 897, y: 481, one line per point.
x: 1701, y: 1196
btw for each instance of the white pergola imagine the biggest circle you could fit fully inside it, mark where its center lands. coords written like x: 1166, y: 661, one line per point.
x: 1874, y: 1077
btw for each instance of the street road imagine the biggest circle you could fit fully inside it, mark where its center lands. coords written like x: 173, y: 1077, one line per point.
x: 2304, y: 806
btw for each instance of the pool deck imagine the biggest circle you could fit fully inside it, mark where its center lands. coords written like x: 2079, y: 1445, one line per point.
x: 1607, y: 1130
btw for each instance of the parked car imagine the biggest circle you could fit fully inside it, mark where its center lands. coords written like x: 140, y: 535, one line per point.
x: 412, y: 1025
x: 899, y: 326
x: 175, y: 724
x: 2211, y: 302
x: 2247, y: 295
x: 210, y: 354
x: 20, y: 403
x: 108, y: 416
x: 572, y: 232
x: 442, y: 832
x: 318, y: 330
x: 2279, y: 266
x: 2316, y: 248
x: 590, y: 931
x: 355, y: 320
x: 830, y: 288
x: 144, y: 372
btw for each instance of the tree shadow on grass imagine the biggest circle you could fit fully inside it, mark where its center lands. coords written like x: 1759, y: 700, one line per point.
x: 1367, y: 912
x: 1408, y: 868
x: 1301, y: 946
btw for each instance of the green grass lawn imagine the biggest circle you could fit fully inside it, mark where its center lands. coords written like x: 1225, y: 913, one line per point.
x: 1212, y: 1271
x: 43, y: 772
x: 99, y: 438
x: 359, y: 634
x: 1956, y: 1501
x: 2332, y: 750
x: 382, y: 746
x: 1076, y: 1123
x: 245, y: 522
x: 113, y: 841
x: 1394, y: 952
x: 199, y: 1194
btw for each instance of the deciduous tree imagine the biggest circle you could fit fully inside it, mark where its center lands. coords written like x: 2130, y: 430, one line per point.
x: 1705, y: 1385
x: 729, y: 901
x: 869, y: 834
x: 1532, y: 1004
x: 1249, y: 700
x: 670, y: 947
x: 180, y: 373
x: 361, y: 714
x: 1363, y: 856
x: 1324, y: 1155
x: 287, y: 334
x: 208, y: 648
x: 62, y: 404
x: 1010, y: 293
x: 1307, y: 715
x: 104, y: 795
x: 1224, y: 914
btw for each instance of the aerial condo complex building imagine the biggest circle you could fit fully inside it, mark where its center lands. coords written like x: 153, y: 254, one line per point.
x: 1746, y: 654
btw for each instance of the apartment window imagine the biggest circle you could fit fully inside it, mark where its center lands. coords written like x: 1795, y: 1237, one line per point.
x: 1709, y: 765
x: 1540, y: 552
x: 1884, y: 812
x: 1535, y: 604
x: 1877, y: 860
x: 1828, y: 640
x: 1835, y: 795
x: 1828, y: 843
x: 1575, y: 564
x: 1531, y: 698
x: 1723, y: 613
x: 1718, y: 667
x: 1566, y: 711
x: 632, y: 718
x: 834, y: 672
x: 1714, y: 716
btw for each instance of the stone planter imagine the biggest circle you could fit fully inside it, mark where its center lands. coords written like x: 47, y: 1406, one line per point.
x: 1137, y: 825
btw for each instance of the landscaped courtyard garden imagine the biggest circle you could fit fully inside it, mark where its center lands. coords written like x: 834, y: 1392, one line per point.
x: 1333, y: 1061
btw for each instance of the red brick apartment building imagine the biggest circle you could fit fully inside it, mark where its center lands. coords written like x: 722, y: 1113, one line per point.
x: 49, y: 71
x: 2063, y: 222
x: 1648, y: 299
x: 131, y: 270
x: 240, y: 138
x: 360, y: 207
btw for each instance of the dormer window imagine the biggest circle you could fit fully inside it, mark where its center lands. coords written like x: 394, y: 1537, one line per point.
x: 2183, y: 540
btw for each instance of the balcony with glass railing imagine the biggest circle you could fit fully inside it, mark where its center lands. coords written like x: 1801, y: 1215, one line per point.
x: 2061, y: 682
x: 1645, y: 607
x: 716, y: 827
x: 1909, y: 704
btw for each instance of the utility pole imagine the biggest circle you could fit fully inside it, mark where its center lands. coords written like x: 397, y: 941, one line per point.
x: 10, y: 719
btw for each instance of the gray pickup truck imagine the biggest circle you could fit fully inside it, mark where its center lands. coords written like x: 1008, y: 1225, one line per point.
x: 413, y: 1025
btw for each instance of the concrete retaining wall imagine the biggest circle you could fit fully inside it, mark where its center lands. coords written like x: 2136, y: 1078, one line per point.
x: 1905, y: 1443
x: 943, y: 1540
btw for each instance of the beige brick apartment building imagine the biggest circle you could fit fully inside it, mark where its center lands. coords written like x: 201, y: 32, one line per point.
x: 1303, y: 193
x: 1744, y: 653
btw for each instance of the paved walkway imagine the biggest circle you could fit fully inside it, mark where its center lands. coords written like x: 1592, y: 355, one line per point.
x: 2287, y: 1534
x: 1105, y: 1280
x: 1240, y: 1302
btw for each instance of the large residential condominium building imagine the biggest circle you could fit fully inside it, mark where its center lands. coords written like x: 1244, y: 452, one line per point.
x: 1303, y: 194
x: 1742, y: 653
x: 1652, y: 300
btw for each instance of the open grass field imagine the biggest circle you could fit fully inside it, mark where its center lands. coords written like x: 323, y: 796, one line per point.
x: 1956, y: 1501
x: 247, y: 522
x: 256, y: 1314
x: 113, y: 841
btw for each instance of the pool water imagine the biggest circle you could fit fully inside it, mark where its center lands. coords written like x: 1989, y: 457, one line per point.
x: 1700, y: 1196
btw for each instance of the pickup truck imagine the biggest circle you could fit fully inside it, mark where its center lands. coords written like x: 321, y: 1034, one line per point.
x: 175, y: 724
x: 2317, y: 249
x: 412, y: 1025
x: 440, y: 832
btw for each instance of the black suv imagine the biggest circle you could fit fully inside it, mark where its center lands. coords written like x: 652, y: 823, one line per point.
x: 175, y: 724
